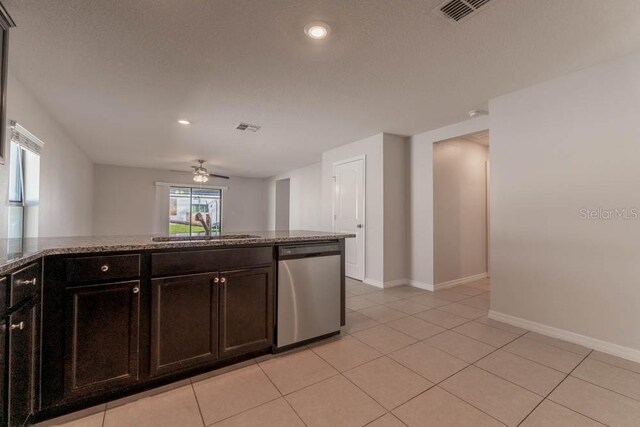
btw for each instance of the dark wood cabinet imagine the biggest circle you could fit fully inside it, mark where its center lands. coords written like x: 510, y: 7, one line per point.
x: 246, y: 310
x: 3, y: 370
x: 25, y: 283
x: 22, y: 328
x: 117, y: 323
x: 102, y: 335
x: 102, y: 268
x: 184, y: 322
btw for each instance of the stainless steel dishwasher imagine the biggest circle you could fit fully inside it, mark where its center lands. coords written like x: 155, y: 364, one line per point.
x: 308, y: 292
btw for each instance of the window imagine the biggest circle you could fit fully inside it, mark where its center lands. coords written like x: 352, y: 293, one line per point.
x: 184, y: 205
x: 24, y: 183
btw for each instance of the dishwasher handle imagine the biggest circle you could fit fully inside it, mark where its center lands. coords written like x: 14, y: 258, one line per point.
x: 306, y: 251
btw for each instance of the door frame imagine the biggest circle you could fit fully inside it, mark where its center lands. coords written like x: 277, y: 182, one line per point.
x: 454, y: 136
x: 362, y: 157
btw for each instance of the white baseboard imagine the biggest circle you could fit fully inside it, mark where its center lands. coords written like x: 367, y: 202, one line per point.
x: 389, y: 284
x: 456, y: 282
x: 583, y: 340
x: 372, y: 282
x: 394, y: 283
x: 421, y: 285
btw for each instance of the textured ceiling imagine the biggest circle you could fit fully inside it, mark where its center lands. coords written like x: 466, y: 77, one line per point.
x: 118, y: 74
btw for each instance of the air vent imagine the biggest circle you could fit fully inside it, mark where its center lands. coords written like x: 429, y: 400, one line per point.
x: 247, y: 127
x: 460, y: 10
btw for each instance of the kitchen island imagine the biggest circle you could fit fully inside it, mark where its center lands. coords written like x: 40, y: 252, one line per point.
x: 91, y: 319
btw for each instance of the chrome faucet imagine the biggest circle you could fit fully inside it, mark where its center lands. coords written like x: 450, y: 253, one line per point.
x: 205, y: 220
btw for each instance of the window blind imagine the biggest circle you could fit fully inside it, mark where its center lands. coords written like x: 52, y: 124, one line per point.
x: 25, y: 139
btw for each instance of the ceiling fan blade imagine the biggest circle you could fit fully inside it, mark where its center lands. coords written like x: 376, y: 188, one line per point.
x: 218, y: 176
x: 172, y: 170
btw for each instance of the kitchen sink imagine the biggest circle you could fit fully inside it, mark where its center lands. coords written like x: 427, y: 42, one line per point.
x: 198, y: 238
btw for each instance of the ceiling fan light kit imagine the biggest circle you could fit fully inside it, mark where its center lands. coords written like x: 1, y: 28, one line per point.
x: 199, y: 178
x: 202, y: 175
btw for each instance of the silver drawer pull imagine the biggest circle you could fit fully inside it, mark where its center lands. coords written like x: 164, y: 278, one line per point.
x: 223, y: 280
x: 104, y: 268
x: 216, y: 280
x: 33, y: 281
x: 135, y: 290
x: 19, y: 326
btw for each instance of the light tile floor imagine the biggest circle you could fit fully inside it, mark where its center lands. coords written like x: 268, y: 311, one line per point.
x: 405, y: 357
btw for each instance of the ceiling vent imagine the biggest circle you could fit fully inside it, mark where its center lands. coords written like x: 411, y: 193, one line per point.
x: 247, y: 126
x: 460, y: 10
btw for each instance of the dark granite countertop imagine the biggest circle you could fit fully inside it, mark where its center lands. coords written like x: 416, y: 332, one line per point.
x: 15, y: 253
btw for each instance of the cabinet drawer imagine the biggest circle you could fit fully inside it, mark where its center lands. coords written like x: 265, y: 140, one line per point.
x: 24, y: 284
x: 186, y: 262
x: 91, y: 269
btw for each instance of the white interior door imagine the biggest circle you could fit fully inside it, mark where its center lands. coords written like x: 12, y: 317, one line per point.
x: 348, y: 212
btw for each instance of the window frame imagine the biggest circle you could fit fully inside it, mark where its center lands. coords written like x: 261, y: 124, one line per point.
x: 20, y: 175
x: 191, y: 188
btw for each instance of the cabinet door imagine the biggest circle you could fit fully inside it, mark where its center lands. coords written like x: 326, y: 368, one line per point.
x: 3, y: 366
x: 184, y: 322
x: 22, y: 364
x: 246, y: 311
x: 102, y: 336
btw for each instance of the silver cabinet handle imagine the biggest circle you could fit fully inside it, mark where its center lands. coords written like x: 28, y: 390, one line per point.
x: 104, y: 268
x: 19, y: 326
x: 216, y: 280
x: 223, y: 280
x: 33, y: 281
x: 135, y: 290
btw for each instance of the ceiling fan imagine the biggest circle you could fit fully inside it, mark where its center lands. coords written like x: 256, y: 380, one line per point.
x: 200, y: 173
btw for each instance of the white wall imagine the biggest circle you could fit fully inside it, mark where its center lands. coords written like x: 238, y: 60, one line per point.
x: 66, y: 173
x: 460, y: 210
x: 127, y: 201
x: 421, y: 196
x: 282, y: 204
x: 386, y: 205
x: 556, y: 148
x: 396, y: 177
x: 305, y: 198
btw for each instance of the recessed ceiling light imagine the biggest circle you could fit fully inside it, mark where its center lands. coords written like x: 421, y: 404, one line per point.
x: 317, y: 30
x: 184, y: 122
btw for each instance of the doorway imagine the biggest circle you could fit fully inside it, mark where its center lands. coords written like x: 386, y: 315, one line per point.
x: 461, y: 209
x: 349, y: 211
x: 283, y: 190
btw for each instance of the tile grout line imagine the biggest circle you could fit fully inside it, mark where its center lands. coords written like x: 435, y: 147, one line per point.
x: 282, y: 395
x: 540, y: 363
x: 382, y: 416
x: 466, y: 367
x: 384, y: 354
x: 341, y: 374
x: 511, y: 382
x: 601, y: 386
x: 193, y: 390
x: 436, y: 384
x: 570, y: 409
x: 240, y: 413
x: 472, y: 364
x: 248, y: 409
x: 520, y: 357
x: 357, y: 366
x: 615, y: 366
x: 556, y: 346
x: 554, y: 389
